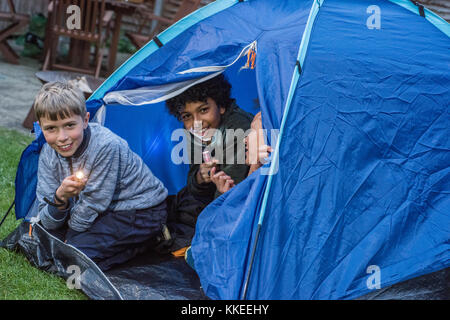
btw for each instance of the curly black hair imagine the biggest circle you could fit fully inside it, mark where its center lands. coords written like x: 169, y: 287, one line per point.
x: 217, y: 88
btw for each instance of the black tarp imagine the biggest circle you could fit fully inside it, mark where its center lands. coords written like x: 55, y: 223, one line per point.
x: 152, y: 276
x: 433, y: 286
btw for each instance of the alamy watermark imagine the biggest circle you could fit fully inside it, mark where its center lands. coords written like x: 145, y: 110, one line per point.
x: 74, y: 19
x: 229, y: 147
x: 374, y: 280
x: 374, y: 20
x: 74, y: 280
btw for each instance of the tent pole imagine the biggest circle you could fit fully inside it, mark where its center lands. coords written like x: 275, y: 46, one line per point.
x: 7, y: 212
x: 247, y: 281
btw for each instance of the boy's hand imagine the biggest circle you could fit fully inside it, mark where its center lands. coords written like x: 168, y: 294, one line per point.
x: 222, y: 181
x: 70, y: 187
x: 203, y: 174
x: 264, y: 152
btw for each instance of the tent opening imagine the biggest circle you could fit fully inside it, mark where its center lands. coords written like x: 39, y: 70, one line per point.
x: 148, y: 127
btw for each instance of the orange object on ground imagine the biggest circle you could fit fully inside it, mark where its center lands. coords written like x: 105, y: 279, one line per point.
x: 179, y: 253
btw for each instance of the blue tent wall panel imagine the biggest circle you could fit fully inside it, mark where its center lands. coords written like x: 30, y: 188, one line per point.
x: 26, y: 177
x: 363, y: 168
x: 221, y: 244
x: 148, y: 131
x: 243, y: 86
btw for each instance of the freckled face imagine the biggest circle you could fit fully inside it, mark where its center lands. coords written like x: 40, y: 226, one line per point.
x: 208, y: 114
x: 64, y: 135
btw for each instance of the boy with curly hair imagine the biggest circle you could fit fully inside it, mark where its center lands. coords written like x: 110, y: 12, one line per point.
x: 209, y: 113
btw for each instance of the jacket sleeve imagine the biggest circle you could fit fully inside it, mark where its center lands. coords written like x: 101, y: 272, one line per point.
x: 51, y: 217
x: 99, y: 190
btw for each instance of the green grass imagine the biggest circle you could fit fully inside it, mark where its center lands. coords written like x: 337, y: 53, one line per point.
x: 18, y: 278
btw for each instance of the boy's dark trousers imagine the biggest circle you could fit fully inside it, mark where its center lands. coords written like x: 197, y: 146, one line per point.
x: 183, y: 209
x: 116, y: 237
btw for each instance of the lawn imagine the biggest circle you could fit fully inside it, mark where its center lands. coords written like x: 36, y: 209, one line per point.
x: 18, y: 279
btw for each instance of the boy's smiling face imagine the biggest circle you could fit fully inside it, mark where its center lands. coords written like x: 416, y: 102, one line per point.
x: 207, y: 113
x: 64, y: 135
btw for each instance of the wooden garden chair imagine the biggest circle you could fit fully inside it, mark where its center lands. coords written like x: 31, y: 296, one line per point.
x: 94, y: 27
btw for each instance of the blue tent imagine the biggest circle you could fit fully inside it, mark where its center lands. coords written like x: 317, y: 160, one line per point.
x: 356, y: 196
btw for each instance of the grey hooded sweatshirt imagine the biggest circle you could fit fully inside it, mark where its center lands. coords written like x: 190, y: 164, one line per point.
x: 118, y: 180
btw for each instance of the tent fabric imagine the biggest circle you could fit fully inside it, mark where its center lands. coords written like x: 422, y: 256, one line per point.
x: 26, y: 177
x: 360, y: 172
x: 363, y: 168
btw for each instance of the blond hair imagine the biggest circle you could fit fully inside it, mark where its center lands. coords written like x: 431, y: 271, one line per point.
x: 58, y: 100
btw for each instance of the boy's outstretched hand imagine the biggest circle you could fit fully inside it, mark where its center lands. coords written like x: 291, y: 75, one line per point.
x: 264, y: 152
x: 203, y: 174
x: 222, y: 181
x: 70, y: 187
